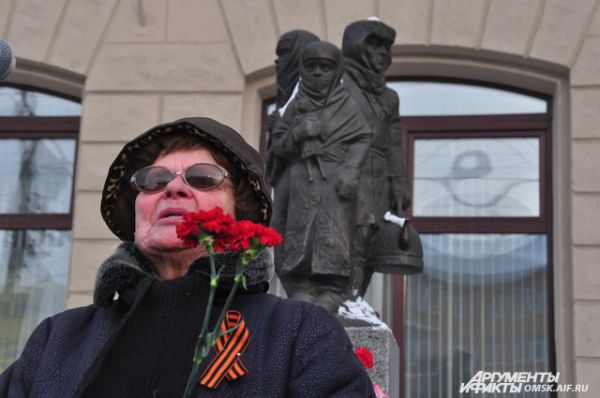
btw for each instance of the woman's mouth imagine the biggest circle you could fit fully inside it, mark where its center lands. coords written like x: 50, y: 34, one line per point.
x: 171, y: 214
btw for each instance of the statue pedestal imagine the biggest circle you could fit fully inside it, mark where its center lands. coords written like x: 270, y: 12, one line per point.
x: 386, y: 356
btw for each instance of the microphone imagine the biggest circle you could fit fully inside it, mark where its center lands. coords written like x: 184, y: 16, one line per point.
x: 7, y: 60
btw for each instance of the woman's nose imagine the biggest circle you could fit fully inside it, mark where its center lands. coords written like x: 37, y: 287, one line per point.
x: 177, y: 188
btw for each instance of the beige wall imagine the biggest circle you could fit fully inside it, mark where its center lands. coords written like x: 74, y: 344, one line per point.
x: 173, y: 58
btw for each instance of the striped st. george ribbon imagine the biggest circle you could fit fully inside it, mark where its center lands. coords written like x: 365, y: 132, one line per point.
x: 229, y: 348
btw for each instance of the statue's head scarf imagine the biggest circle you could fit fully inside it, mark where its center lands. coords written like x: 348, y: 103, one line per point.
x: 318, y: 89
x: 289, y: 50
x: 357, y: 61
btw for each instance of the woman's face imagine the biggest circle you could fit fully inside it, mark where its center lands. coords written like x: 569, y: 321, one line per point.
x: 156, y: 214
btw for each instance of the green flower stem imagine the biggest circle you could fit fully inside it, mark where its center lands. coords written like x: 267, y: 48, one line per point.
x: 203, y: 344
x: 217, y: 330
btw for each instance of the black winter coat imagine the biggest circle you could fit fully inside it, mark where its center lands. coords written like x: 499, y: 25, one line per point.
x: 296, y: 349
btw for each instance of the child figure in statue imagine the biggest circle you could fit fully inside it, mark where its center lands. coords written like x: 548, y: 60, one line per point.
x: 324, y: 137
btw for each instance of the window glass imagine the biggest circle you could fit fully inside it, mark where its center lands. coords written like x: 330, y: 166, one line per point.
x: 34, y: 269
x: 480, y: 304
x: 36, y: 176
x: 18, y: 102
x: 36, y: 182
x: 480, y: 177
x: 444, y: 99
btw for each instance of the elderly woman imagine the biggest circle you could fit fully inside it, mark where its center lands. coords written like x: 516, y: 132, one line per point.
x: 138, y: 338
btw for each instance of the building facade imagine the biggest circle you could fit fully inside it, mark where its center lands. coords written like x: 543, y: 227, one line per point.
x: 135, y: 63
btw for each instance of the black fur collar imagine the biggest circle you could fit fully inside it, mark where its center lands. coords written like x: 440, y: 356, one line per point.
x: 128, y: 265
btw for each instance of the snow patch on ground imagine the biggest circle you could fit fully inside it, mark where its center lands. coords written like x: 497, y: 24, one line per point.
x: 361, y: 310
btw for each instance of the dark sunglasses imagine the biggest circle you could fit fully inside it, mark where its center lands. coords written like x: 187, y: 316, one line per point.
x: 201, y: 176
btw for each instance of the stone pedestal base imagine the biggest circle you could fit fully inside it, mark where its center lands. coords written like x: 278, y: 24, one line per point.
x: 386, y: 356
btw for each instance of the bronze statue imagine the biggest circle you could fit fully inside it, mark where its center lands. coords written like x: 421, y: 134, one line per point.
x: 336, y: 162
x: 379, y: 245
x: 287, y: 66
x: 324, y: 137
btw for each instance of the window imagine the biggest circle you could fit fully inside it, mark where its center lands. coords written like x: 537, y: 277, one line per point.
x: 478, y: 161
x: 38, y: 139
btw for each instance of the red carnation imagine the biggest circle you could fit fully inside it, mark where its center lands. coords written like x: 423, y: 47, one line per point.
x: 206, y: 227
x: 188, y: 232
x: 209, y: 220
x: 240, y: 234
x: 217, y: 229
x: 365, y: 356
x: 244, y: 234
x: 268, y: 236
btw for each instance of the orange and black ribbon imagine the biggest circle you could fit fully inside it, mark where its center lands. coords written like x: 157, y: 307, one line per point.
x: 229, y: 348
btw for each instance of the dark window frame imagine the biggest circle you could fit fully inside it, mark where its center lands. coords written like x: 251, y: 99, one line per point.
x: 506, y: 126
x: 482, y: 126
x: 40, y: 127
